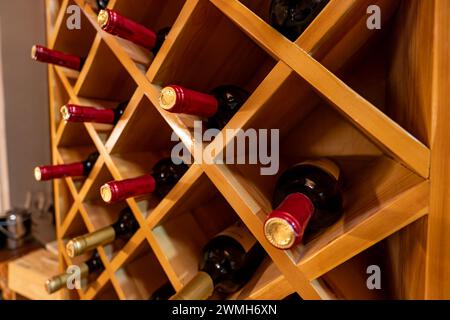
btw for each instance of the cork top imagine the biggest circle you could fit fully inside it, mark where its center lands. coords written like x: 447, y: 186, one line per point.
x: 279, y: 233
x: 106, y: 193
x: 65, y: 112
x: 73, y: 247
x: 34, y: 52
x: 103, y: 18
x: 37, y: 174
x: 167, y: 98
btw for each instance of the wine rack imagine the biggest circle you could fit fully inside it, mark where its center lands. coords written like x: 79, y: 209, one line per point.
x: 366, y: 98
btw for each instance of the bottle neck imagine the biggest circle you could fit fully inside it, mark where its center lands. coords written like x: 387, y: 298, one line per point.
x: 44, y: 173
x: 201, y: 287
x: 94, y: 264
x: 75, y: 113
x: 285, y: 226
x: 89, y: 242
x: 120, y: 190
x: 43, y: 54
x: 60, y: 281
x: 160, y: 38
x: 177, y: 99
x: 113, y: 23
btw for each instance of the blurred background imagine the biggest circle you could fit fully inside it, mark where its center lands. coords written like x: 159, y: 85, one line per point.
x: 24, y: 127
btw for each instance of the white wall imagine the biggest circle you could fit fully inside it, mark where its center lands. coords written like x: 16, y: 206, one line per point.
x: 4, y: 176
x: 22, y: 24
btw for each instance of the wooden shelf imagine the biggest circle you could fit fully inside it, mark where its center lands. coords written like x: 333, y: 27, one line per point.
x: 335, y: 92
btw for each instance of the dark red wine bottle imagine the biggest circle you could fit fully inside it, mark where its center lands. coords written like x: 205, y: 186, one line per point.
x: 307, y: 199
x: 229, y: 261
x: 87, y: 268
x: 123, y: 228
x: 118, y: 25
x: 43, y: 54
x: 76, y: 113
x: 76, y: 169
x: 164, y: 176
x: 292, y: 17
x: 218, y: 107
x: 163, y: 293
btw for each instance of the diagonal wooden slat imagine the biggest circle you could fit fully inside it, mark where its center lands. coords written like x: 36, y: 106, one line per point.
x: 59, y: 23
x: 321, y: 41
x: 250, y: 213
x: 385, y: 132
x: 400, y: 212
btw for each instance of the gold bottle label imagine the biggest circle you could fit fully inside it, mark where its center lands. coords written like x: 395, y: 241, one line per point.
x: 88, y: 242
x: 201, y: 287
x: 60, y: 281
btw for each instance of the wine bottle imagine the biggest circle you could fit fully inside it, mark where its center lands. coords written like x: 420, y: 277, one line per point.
x: 307, y: 199
x: 123, y: 228
x: 91, y: 266
x: 43, y: 54
x: 229, y: 260
x: 76, y: 169
x: 218, y: 107
x: 118, y: 25
x: 292, y: 17
x: 76, y: 113
x: 164, y: 176
x: 163, y: 293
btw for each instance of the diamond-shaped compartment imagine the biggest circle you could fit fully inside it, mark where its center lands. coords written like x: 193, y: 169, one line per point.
x: 200, y: 214
x: 211, y: 51
x: 145, y: 139
x: 73, y: 40
x: 309, y: 128
x: 141, y: 274
x: 155, y: 15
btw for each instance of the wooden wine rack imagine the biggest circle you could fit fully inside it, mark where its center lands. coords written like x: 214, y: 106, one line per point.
x: 373, y: 100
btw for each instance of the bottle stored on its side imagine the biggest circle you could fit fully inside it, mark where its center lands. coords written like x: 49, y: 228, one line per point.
x: 123, y: 228
x: 218, y: 107
x: 292, y: 17
x: 43, y: 54
x: 163, y: 293
x: 164, y: 176
x: 87, y: 268
x: 307, y: 199
x: 76, y: 113
x: 118, y: 25
x: 76, y: 169
x: 229, y: 261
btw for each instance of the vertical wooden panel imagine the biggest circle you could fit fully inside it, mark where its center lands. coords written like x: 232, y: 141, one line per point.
x: 438, y: 254
x: 409, y: 84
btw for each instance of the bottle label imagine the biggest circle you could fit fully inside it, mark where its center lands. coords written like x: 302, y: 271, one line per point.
x: 241, y: 234
x: 326, y: 165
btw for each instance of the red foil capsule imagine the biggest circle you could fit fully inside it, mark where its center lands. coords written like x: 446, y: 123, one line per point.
x: 59, y: 58
x: 113, y: 23
x: 44, y: 173
x: 75, y: 113
x: 285, y: 226
x: 177, y: 99
x: 119, y: 190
